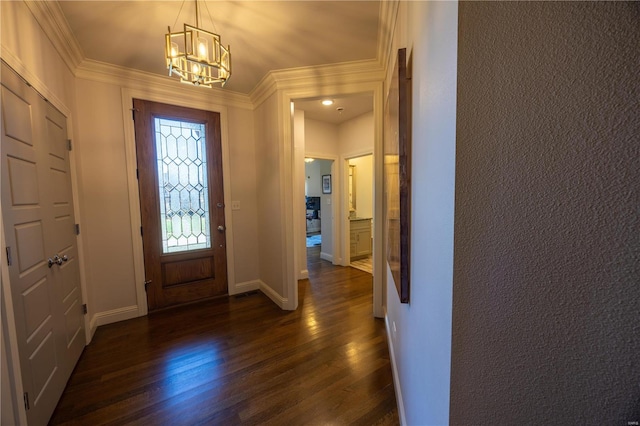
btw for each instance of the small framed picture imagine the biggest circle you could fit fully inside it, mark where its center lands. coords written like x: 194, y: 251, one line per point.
x: 326, y: 184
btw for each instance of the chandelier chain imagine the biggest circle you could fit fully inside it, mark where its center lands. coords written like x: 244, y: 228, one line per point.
x: 210, y: 18
x: 178, y: 17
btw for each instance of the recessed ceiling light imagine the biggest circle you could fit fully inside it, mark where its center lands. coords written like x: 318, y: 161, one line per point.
x: 327, y: 102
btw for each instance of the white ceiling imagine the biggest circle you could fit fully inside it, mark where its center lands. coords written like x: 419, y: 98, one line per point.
x: 351, y: 107
x: 263, y: 35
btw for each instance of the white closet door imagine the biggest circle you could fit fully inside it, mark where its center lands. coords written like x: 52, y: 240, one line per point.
x: 38, y: 218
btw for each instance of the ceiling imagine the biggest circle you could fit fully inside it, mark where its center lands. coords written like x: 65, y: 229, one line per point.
x: 263, y: 36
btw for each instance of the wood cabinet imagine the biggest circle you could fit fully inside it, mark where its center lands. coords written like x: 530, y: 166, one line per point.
x: 360, y: 238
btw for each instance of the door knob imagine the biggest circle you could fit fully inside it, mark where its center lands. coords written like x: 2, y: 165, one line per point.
x: 221, y: 228
x: 57, y: 260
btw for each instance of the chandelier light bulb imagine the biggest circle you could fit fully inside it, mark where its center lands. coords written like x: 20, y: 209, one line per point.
x: 203, y: 48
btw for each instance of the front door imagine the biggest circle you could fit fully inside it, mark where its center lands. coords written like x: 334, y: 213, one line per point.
x: 182, y: 203
x: 37, y: 211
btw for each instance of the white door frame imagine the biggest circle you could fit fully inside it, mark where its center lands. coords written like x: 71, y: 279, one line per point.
x: 291, y: 189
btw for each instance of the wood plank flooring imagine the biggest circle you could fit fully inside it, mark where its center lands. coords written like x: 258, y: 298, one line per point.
x: 241, y: 360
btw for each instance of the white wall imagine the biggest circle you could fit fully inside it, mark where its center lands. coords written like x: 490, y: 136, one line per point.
x: 242, y: 155
x: 313, y: 176
x: 104, y: 198
x: 268, y: 185
x: 356, y: 135
x: 321, y: 138
x: 364, y: 185
x: 421, y: 346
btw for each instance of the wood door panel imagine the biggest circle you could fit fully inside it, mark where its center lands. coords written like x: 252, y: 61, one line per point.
x: 65, y: 239
x: 60, y: 193
x: 73, y: 321
x: 30, y: 245
x: 70, y: 279
x: 57, y: 140
x: 43, y: 363
x: 36, y: 305
x: 177, y: 273
x: 24, y: 190
x: 16, y: 113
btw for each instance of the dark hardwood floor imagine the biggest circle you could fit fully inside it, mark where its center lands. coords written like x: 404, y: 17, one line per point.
x: 242, y: 360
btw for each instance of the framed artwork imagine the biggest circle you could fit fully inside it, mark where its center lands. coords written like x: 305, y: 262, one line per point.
x: 397, y: 174
x: 326, y: 184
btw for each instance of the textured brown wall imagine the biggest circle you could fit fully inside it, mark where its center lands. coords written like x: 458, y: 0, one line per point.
x: 546, y: 319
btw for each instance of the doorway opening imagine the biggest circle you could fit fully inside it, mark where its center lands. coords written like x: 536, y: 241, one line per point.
x: 318, y: 214
x: 360, y: 178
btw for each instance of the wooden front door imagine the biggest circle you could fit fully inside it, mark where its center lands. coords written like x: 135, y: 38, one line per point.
x: 37, y: 212
x: 182, y: 203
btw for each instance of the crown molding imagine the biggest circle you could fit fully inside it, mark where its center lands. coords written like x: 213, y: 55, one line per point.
x: 134, y: 79
x: 266, y: 87
x: 49, y: 16
x: 321, y: 77
x: 386, y: 28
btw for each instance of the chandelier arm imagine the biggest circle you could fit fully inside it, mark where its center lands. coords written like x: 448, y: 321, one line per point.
x: 197, y: 16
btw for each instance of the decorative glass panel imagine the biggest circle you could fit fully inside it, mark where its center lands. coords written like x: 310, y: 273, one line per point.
x: 182, y: 178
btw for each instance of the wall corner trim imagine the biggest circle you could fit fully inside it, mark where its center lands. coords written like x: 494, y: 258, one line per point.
x: 275, y: 297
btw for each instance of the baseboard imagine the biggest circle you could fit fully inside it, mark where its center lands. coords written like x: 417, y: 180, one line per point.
x: 396, y: 376
x: 275, y: 297
x: 93, y: 326
x: 115, y: 315
x: 326, y: 256
x: 245, y: 287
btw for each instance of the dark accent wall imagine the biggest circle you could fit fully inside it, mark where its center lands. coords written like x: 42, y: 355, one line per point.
x: 546, y: 302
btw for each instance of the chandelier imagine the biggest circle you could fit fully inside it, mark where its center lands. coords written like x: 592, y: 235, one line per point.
x: 196, y: 55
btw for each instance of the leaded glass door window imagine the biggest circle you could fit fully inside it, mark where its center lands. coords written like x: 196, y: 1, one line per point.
x: 183, y: 188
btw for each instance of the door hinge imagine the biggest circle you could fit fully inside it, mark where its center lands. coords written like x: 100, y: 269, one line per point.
x: 26, y: 401
x: 77, y: 229
x: 146, y: 285
x: 137, y: 174
x: 9, y: 261
x: 69, y: 145
x: 141, y: 233
x: 84, y: 309
x: 133, y: 114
